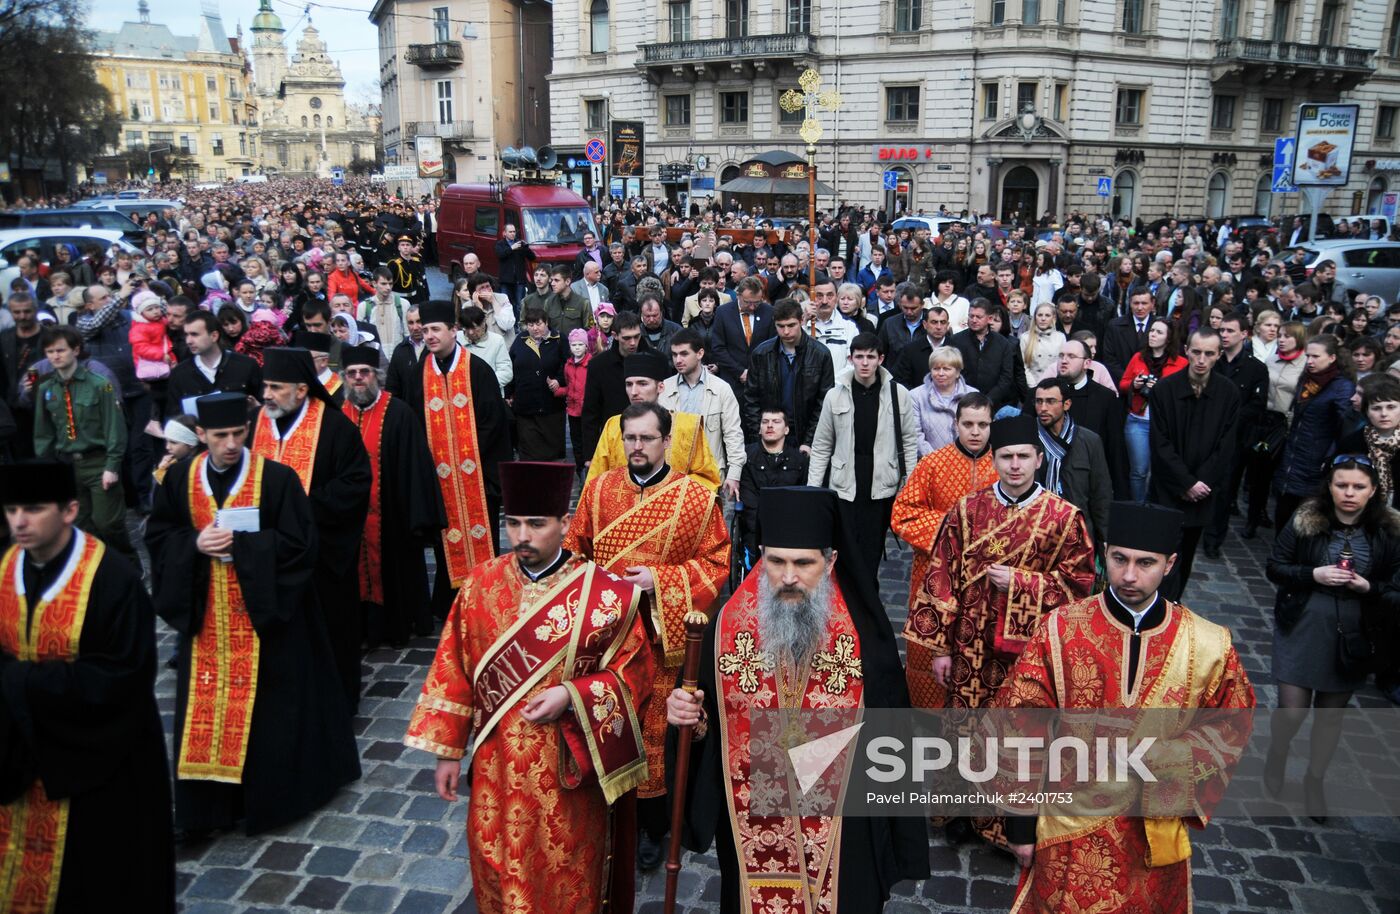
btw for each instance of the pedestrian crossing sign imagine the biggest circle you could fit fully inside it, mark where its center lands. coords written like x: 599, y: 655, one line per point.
x: 1105, y: 186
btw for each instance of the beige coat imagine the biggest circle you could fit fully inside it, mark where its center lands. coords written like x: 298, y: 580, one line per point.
x: 834, y: 446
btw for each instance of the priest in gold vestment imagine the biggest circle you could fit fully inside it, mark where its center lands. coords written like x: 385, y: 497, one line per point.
x: 543, y: 671
x: 662, y: 531
x: 1130, y: 648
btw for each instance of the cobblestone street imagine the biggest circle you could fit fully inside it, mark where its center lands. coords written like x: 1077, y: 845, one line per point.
x: 388, y: 844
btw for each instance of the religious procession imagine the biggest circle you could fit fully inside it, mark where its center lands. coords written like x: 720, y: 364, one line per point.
x: 528, y: 590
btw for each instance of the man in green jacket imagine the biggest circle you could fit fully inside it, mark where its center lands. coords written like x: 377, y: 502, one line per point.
x: 78, y: 420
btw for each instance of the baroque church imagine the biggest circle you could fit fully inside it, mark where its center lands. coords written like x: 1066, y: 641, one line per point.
x: 306, y: 127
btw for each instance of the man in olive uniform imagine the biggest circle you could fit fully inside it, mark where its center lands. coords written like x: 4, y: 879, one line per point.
x: 410, y: 276
x: 78, y: 420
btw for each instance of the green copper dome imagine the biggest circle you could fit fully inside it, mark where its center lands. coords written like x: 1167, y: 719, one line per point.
x: 266, y: 20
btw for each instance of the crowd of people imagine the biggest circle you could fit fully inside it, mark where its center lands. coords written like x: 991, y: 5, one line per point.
x: 1053, y: 421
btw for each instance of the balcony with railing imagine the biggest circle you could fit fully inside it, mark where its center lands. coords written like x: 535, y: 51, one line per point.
x: 1252, y: 61
x: 749, y: 55
x: 441, y: 55
x: 452, y: 130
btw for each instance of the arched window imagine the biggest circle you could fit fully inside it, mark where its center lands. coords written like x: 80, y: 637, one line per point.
x: 1264, y: 195
x: 598, y: 26
x: 901, y: 199
x: 316, y: 120
x: 1125, y: 195
x: 303, y: 120
x: 1217, y: 195
x: 1375, y: 193
x: 329, y: 120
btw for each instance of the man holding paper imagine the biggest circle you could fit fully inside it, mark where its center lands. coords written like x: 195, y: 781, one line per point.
x: 262, y: 731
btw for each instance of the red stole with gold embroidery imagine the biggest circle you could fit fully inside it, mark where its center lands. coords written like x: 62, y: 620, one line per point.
x: 298, y: 448
x: 451, y: 425
x: 33, y: 828
x: 371, y: 425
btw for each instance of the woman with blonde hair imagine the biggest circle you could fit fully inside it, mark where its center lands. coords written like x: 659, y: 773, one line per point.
x: 936, y: 400
x: 1264, y: 341
x: 1040, y: 346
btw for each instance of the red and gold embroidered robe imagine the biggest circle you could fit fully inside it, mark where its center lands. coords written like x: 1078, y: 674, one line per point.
x: 538, y: 827
x: 370, y: 422
x: 675, y: 529
x: 1078, y: 659
x: 452, y: 438
x: 34, y: 828
x: 938, y: 481
x: 297, y: 449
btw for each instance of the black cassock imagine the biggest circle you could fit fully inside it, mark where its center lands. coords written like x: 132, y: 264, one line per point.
x: 301, y: 747
x: 90, y: 731
x: 876, y: 852
x: 411, y: 518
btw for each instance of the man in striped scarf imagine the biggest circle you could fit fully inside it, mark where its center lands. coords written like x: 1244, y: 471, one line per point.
x: 1074, y: 467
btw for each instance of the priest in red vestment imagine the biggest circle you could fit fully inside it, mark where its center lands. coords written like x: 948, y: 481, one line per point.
x: 1130, y: 648
x: 468, y: 426
x: 84, y: 786
x: 1004, y: 557
x: 804, y: 631
x: 543, y: 672
x: 939, y: 480
x: 661, y: 530
x: 302, y: 427
x: 405, y: 504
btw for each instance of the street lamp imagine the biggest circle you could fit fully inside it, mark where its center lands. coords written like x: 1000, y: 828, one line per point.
x: 150, y: 163
x: 811, y: 101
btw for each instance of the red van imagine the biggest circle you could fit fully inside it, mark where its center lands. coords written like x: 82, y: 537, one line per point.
x: 472, y: 217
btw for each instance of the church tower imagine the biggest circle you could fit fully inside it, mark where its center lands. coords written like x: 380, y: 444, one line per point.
x: 269, y: 55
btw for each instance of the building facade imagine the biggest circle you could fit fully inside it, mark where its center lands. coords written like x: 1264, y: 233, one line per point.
x: 471, y: 73
x: 997, y: 106
x: 306, y: 126
x: 186, y: 93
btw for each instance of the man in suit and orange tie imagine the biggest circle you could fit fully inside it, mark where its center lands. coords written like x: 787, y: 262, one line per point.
x: 739, y: 327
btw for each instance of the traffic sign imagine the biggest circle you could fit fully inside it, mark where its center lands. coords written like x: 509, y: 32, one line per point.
x: 596, y: 150
x: 891, y: 180
x: 1105, y: 186
x: 1282, y: 182
x: 337, y: 177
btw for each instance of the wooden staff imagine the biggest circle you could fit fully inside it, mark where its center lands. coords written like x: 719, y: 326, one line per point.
x: 695, y: 623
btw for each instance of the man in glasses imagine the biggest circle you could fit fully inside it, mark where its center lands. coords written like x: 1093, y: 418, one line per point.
x: 663, y: 532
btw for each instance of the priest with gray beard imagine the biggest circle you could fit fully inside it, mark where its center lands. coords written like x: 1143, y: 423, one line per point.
x: 805, y: 631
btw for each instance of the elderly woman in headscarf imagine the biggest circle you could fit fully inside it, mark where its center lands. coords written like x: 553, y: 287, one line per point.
x: 215, y: 291
x: 345, y: 329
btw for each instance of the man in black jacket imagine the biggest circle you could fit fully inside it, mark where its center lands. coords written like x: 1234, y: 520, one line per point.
x: 738, y: 328
x: 772, y: 461
x: 911, y: 367
x: 988, y: 363
x: 1095, y: 407
x: 1126, y: 335
x: 792, y: 370
x: 1238, y: 364
x: 514, y: 256
x: 985, y: 286
x: 210, y: 369
x: 407, y: 358
x: 605, y: 391
x: 537, y: 357
x: 1194, y: 427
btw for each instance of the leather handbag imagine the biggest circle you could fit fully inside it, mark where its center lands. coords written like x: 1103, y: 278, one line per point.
x: 1288, y: 607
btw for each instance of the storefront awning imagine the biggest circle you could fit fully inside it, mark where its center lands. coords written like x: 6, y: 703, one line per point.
x: 782, y: 187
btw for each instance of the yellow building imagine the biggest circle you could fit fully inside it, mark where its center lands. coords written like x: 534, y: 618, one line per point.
x: 187, y: 93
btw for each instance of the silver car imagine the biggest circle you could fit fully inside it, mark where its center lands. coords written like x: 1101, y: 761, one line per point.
x: 14, y: 242
x: 1372, y: 267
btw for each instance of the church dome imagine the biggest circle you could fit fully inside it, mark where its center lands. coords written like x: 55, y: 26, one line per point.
x: 266, y: 20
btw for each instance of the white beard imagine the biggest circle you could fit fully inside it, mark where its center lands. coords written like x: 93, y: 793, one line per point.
x: 792, y: 628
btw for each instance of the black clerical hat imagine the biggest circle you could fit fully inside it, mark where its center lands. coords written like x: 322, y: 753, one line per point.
x: 532, y: 488
x: 359, y: 355
x: 1149, y: 528
x: 438, y: 311
x: 646, y: 365
x: 37, y: 482
x: 290, y: 365
x: 797, y: 517
x: 1015, y: 430
x: 314, y: 341
x: 222, y: 410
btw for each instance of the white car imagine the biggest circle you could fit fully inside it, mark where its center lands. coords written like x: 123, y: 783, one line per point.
x: 14, y: 242
x: 935, y: 224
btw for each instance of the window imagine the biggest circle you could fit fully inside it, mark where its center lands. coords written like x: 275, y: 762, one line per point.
x: 736, y: 18
x: 162, y: 138
x: 1329, y: 23
x: 1217, y: 195
x: 1282, y: 18
x: 1271, y: 116
x: 1061, y: 92
x: 243, y: 144
x: 138, y: 79
x: 598, y: 27
x: 1124, y: 195
x: 213, y: 111
x: 1129, y: 110
x: 172, y: 109
x: 908, y: 15
x: 282, y: 154
x: 233, y: 88
x: 799, y: 15
x: 1026, y: 94
x: 1060, y: 11
x: 133, y: 139
x: 1030, y: 12
x: 734, y: 107
x: 678, y: 111
x: 1393, y: 47
x: 442, y: 27
x: 1385, y: 122
x: 1264, y: 195
x: 135, y: 110
x: 211, y: 84
x: 147, y: 110
x: 990, y: 105
x: 315, y: 120
x: 902, y: 103
x: 998, y: 12
x: 303, y: 121
x: 354, y: 151
x: 1133, y: 16
x: 444, y: 101
x: 187, y: 144
x: 786, y: 117
x: 488, y: 220
x: 1222, y: 113
x: 1229, y: 19
x: 217, y: 142
x: 680, y: 20
x: 596, y: 111
x: 168, y: 81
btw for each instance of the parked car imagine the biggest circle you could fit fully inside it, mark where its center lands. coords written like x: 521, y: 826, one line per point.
x: 1369, y: 222
x: 74, y: 218
x: 14, y: 242
x: 128, y: 208
x: 1372, y: 267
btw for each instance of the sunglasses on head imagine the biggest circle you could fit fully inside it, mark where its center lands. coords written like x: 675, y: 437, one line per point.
x: 1360, y: 459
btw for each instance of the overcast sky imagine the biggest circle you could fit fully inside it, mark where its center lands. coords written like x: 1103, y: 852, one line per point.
x: 350, y: 37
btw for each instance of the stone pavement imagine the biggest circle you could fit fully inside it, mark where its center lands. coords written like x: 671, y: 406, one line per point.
x: 388, y: 844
